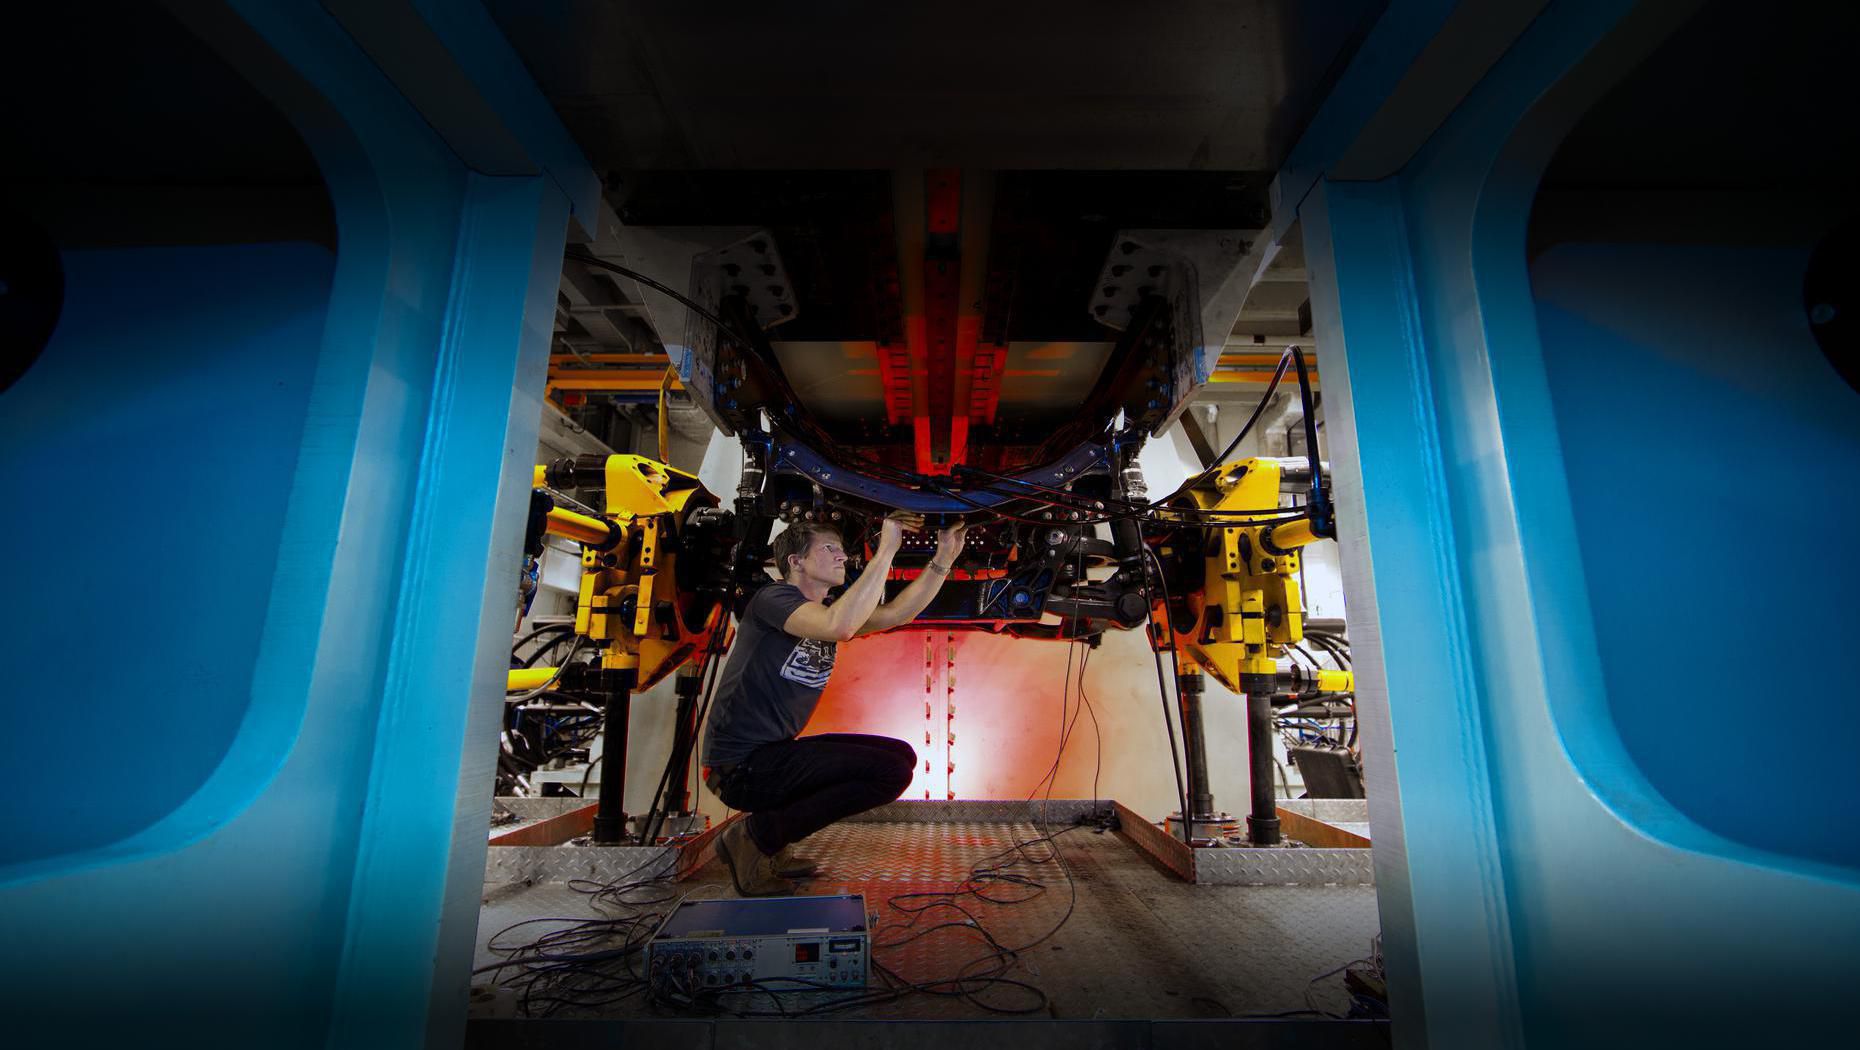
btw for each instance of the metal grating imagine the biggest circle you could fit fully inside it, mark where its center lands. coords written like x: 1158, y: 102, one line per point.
x: 504, y: 864
x: 1330, y: 810
x: 1128, y: 938
x: 1058, y: 810
x: 1284, y: 867
x: 914, y: 852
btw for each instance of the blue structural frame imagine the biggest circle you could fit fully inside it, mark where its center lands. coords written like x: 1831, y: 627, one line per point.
x: 319, y: 885
x: 1536, y: 887
x: 317, y: 880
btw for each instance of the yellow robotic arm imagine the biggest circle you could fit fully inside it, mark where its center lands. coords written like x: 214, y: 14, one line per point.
x: 1245, y: 612
x: 1247, y: 608
x: 650, y: 599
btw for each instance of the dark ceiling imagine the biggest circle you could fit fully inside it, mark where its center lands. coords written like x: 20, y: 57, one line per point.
x: 1087, y: 85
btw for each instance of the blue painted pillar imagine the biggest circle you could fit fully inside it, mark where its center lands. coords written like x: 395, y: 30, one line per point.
x: 1538, y: 886
x: 315, y: 878
x: 1438, y: 872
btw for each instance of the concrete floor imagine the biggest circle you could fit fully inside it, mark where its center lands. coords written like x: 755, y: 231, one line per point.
x: 1139, y: 944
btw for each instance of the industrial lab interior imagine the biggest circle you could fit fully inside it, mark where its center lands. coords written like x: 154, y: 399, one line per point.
x: 1242, y: 523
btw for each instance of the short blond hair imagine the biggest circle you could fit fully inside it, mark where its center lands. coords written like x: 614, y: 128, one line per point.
x: 796, y: 540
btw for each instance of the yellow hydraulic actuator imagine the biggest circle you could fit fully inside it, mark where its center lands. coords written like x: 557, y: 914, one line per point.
x: 524, y: 679
x: 629, y: 604
x: 578, y: 527
x: 1247, y: 608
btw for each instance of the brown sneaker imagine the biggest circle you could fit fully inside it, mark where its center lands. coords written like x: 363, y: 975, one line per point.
x: 751, y: 870
x: 791, y: 865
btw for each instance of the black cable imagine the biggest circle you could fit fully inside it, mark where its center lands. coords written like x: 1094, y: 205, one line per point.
x: 537, y: 633
x: 1338, y: 649
x: 999, y: 513
x: 1258, y: 410
x: 545, y: 687
x: 593, y: 963
x: 1097, y: 736
x: 513, y: 767
x: 967, y: 983
x: 1091, y: 514
x: 649, y: 827
x: 1124, y: 509
x: 1322, y: 522
x: 1065, y: 731
x: 1343, y: 662
x: 1175, y: 757
x: 689, y: 304
x: 548, y: 647
x: 970, y: 982
x: 1072, y: 500
x: 588, y: 963
x: 1084, y: 706
x: 1255, y: 518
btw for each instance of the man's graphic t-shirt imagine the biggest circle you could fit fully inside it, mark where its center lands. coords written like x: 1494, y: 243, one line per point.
x: 771, y: 681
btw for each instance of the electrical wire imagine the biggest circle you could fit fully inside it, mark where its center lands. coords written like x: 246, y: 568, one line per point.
x: 588, y: 963
x: 985, y: 883
x: 1175, y: 757
x: 649, y: 827
x: 548, y: 647
x: 1091, y: 510
x: 664, y: 289
x: 1050, y: 779
x: 557, y: 676
x: 1103, y: 519
x: 1292, y: 355
x: 1073, y: 501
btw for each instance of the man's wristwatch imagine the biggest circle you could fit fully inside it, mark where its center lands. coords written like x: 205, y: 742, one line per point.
x: 943, y: 569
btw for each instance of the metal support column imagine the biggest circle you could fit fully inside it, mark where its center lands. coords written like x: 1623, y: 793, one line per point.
x: 688, y: 684
x: 1262, y: 822
x: 1188, y: 687
x: 610, y: 818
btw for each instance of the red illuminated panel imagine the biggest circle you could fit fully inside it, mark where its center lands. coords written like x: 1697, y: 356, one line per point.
x: 993, y: 714
x: 878, y: 687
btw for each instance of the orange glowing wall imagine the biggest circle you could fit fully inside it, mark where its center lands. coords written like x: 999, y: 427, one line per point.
x: 984, y: 713
x: 1006, y: 698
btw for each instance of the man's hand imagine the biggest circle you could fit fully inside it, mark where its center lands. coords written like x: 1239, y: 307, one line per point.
x: 914, y: 598
x: 949, y: 543
x: 897, y: 523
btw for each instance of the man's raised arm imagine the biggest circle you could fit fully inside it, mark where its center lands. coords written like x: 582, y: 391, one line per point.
x: 842, y: 620
x: 916, y: 598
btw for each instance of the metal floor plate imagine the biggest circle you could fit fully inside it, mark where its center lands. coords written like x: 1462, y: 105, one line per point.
x: 1132, y: 940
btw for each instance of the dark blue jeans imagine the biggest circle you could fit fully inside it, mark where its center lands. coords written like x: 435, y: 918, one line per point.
x: 793, y: 788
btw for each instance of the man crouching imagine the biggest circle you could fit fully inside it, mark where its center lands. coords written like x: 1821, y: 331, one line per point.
x: 754, y: 757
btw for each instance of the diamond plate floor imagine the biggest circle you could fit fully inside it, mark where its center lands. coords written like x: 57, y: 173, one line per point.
x: 1132, y: 941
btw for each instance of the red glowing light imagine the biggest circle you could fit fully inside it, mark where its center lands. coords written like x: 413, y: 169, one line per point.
x: 987, y: 705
